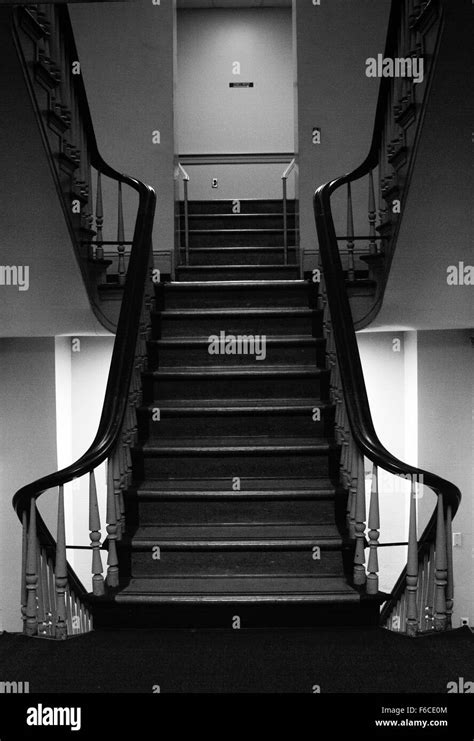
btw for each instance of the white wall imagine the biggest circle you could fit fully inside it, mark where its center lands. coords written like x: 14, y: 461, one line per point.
x: 28, y: 451
x: 334, y: 94
x: 81, y: 378
x: 127, y: 56
x: 213, y: 118
x: 446, y: 439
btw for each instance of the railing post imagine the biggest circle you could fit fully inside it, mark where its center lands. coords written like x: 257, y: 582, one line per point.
x: 360, y: 515
x: 374, y: 534
x: 24, y: 549
x: 285, y: 219
x: 441, y: 569
x: 412, y: 566
x: 112, y: 560
x: 372, y: 215
x: 120, y: 239
x: 99, y: 219
x: 350, y: 235
x: 186, y: 220
x: 60, y: 571
x: 31, y: 575
x: 94, y: 527
x: 450, y: 575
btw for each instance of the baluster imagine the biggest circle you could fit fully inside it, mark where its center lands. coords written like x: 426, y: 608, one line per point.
x: 46, y: 593
x: 374, y: 535
x: 419, y: 598
x: 69, y: 612
x: 441, y: 569
x: 412, y: 566
x: 60, y: 571
x: 31, y: 623
x: 94, y: 527
x: 360, y: 514
x: 429, y: 610
x: 353, y: 487
x: 40, y: 613
x: 99, y: 219
x: 120, y: 238
x: 450, y: 569
x: 350, y: 234
x: 24, y: 548
x: 52, y: 595
x: 424, y: 594
x: 372, y: 215
x: 403, y: 613
x: 112, y: 559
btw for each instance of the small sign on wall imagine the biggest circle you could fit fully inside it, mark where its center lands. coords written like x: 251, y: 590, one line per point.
x: 241, y: 84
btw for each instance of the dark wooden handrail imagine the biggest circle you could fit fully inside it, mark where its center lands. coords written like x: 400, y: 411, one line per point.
x: 123, y: 357
x: 352, y: 377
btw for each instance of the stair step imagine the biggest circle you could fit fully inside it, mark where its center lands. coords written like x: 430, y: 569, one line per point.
x: 260, y: 487
x: 209, y: 248
x: 266, y: 321
x: 236, y: 272
x: 205, y: 563
x: 247, y: 206
x: 236, y: 457
x: 251, y: 382
x: 236, y: 294
x: 218, y: 590
x: 235, y: 416
x: 240, y: 221
x: 171, y: 352
x: 228, y: 510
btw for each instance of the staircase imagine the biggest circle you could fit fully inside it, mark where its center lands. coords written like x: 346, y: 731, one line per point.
x: 236, y: 502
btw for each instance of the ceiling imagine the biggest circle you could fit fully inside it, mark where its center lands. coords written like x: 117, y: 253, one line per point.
x: 234, y: 3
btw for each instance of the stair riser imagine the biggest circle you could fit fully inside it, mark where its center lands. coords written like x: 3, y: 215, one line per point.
x: 234, y: 221
x: 221, y: 256
x: 241, y: 273
x: 235, y: 465
x: 226, y: 207
x: 192, y: 355
x: 215, y: 563
x: 234, y: 511
x: 217, y: 425
x: 270, y: 324
x: 242, y: 297
x: 247, y: 387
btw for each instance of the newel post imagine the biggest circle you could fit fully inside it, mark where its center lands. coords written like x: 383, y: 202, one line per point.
x: 94, y: 527
x: 374, y: 534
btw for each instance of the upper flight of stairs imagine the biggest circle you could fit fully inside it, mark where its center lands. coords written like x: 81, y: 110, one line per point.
x: 236, y: 507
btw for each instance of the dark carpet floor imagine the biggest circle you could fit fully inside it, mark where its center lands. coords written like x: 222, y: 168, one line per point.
x: 338, y: 660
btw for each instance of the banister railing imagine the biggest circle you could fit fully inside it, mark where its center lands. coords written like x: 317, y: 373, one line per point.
x: 53, y: 598
x: 94, y: 205
x: 423, y: 596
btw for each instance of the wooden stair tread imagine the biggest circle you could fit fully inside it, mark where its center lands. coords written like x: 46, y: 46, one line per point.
x: 237, y: 444
x: 245, y: 534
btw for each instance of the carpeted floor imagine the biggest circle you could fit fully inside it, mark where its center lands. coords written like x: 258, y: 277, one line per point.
x: 338, y: 660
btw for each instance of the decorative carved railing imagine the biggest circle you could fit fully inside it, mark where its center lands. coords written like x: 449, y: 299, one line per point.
x: 422, y: 598
x: 414, y: 34
x: 53, y: 598
x: 92, y: 200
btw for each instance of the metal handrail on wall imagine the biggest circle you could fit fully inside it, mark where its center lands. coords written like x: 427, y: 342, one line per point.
x: 186, y: 181
x: 284, y: 179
